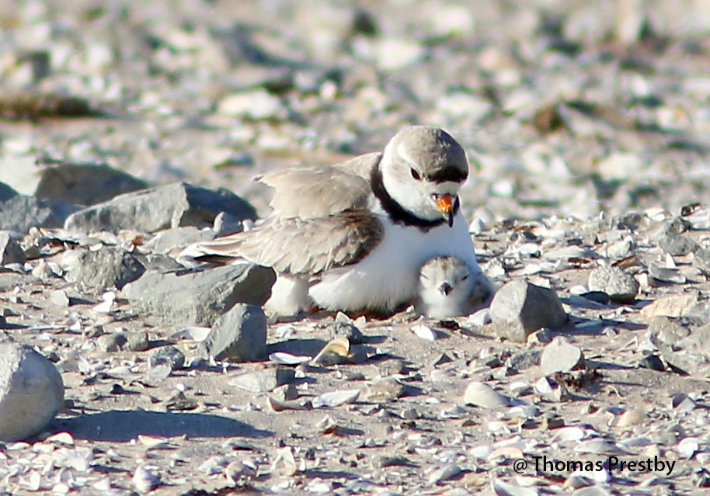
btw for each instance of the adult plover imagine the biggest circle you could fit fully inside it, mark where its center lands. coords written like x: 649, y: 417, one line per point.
x: 353, y: 236
x: 449, y: 288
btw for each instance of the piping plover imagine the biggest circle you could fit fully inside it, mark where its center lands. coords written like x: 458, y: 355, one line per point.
x: 449, y: 288
x: 353, y: 236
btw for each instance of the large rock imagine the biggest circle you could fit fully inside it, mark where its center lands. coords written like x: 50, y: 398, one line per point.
x: 238, y: 336
x: 159, y: 208
x: 199, y: 297
x: 677, y: 246
x: 12, y: 280
x: 21, y: 212
x: 31, y: 392
x: 673, y: 305
x: 665, y: 330
x: 85, y: 184
x: 106, y: 268
x: 520, y: 308
x: 683, y: 342
x: 6, y: 192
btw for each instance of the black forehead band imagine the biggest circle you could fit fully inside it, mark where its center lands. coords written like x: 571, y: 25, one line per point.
x: 449, y: 174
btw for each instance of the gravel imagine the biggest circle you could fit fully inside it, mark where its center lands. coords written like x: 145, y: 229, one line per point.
x: 586, y: 125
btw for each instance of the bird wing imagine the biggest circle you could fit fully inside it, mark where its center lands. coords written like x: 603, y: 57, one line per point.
x: 361, y: 165
x: 320, y: 221
x: 316, y: 191
x: 302, y: 247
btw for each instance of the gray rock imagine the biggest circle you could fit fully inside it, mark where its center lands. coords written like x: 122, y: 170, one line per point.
x: 701, y: 259
x: 239, y: 335
x: 60, y: 298
x: 12, y: 280
x: 264, y: 380
x: 10, y: 250
x: 136, y: 341
x: 345, y: 330
x: 677, y: 246
x: 524, y: 360
x: 286, y: 392
x: 561, y: 356
x: 482, y: 395
x: 541, y: 336
x: 178, y: 237
x: 669, y: 331
x: 652, y: 362
x: 383, y: 390
x: 199, y: 297
x: 21, y: 212
x: 159, y: 208
x: 665, y: 274
x: 94, y: 331
x: 676, y: 226
x: 106, y: 268
x: 111, y: 342
x: 6, y: 192
x: 619, y: 285
x: 155, y: 376
x: 169, y: 355
x: 683, y: 342
x: 520, y: 308
x: 160, y: 262
x: 85, y: 184
x: 31, y: 392
x: 391, y: 367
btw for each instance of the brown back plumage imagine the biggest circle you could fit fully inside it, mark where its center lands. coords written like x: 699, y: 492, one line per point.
x: 320, y: 221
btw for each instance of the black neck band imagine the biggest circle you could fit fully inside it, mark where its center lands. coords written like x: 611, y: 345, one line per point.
x: 395, y: 211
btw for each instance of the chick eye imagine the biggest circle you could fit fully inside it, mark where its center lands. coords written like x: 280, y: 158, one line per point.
x: 415, y: 175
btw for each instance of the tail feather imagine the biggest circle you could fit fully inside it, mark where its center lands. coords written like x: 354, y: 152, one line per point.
x: 221, y: 251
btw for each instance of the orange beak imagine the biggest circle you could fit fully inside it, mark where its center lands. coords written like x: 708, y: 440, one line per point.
x: 445, y: 205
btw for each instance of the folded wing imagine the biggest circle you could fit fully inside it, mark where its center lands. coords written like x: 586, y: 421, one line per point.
x: 312, y: 192
x: 320, y: 221
x: 301, y: 247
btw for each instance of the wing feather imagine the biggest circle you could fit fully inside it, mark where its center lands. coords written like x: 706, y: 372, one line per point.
x: 315, y: 191
x: 303, y: 247
x: 320, y: 221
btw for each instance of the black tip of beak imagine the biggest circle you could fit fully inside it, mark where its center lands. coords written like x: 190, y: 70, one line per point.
x: 446, y: 288
x: 449, y: 218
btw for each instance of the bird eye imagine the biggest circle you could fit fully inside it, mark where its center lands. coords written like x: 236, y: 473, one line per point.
x: 415, y: 175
